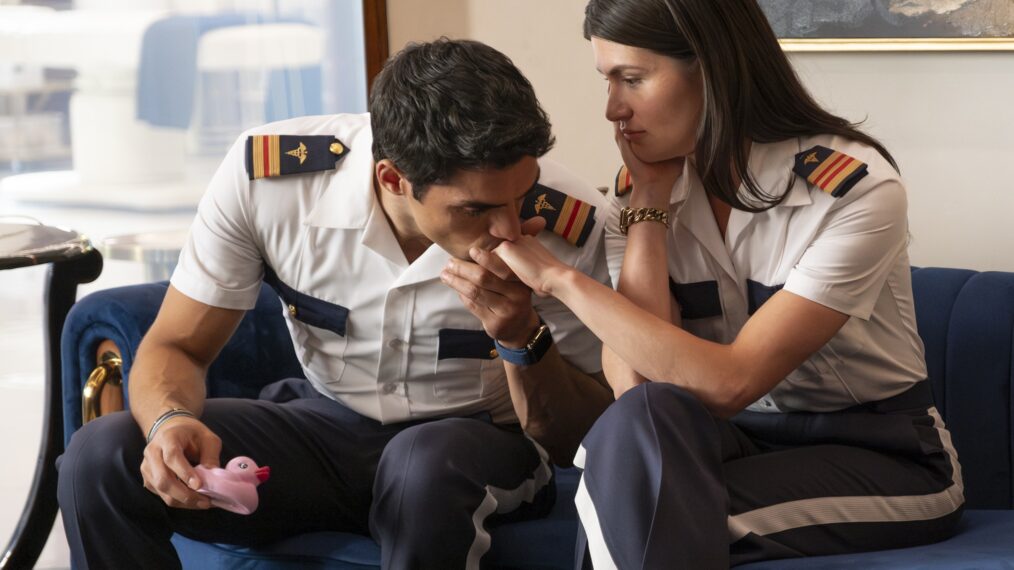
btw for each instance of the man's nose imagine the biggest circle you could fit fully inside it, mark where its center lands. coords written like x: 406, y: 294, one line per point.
x: 506, y: 224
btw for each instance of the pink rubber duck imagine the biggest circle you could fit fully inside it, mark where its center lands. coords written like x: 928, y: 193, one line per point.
x: 235, y: 487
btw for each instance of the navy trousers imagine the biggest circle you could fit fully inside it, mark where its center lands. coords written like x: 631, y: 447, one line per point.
x: 426, y: 491
x: 667, y: 485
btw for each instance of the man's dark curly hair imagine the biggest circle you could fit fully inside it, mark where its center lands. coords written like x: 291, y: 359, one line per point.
x: 451, y: 105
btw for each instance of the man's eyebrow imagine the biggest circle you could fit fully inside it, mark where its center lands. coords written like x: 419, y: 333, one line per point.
x: 486, y: 205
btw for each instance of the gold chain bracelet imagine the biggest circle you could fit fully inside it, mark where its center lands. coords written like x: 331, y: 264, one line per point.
x: 631, y: 216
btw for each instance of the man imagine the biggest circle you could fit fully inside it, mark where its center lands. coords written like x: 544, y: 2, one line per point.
x: 415, y: 426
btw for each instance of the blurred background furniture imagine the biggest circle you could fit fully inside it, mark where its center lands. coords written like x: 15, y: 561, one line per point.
x: 156, y: 251
x: 72, y: 261
x: 129, y: 147
x: 965, y: 318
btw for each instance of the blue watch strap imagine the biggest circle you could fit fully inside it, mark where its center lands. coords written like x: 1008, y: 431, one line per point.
x: 530, y: 353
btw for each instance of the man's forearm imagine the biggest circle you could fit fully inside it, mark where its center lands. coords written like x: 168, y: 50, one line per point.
x: 163, y: 378
x: 556, y: 403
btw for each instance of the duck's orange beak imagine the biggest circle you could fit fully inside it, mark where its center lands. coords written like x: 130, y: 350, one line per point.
x: 263, y: 473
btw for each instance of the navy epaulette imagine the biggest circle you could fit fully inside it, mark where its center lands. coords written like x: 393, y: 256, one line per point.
x: 623, y: 184
x: 565, y: 216
x: 278, y: 155
x: 832, y: 171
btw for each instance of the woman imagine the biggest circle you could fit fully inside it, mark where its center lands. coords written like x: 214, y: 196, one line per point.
x: 762, y: 345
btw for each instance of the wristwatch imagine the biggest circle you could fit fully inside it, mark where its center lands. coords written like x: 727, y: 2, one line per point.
x: 532, y: 352
x: 630, y: 216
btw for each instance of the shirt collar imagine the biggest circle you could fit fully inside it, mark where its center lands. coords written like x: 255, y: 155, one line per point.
x: 348, y: 199
x: 771, y: 166
x: 681, y: 189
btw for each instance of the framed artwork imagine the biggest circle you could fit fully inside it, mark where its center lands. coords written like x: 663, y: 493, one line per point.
x: 892, y: 25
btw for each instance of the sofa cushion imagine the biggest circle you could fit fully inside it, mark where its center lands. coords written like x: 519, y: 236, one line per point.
x: 548, y: 544
x: 983, y: 542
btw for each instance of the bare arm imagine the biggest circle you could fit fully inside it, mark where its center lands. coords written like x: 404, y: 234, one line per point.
x: 173, y: 358
x: 727, y: 378
x: 555, y: 402
x: 776, y: 340
x: 644, y: 277
x: 169, y: 372
x: 645, y: 281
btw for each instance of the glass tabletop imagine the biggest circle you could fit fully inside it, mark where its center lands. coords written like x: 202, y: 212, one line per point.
x: 27, y: 243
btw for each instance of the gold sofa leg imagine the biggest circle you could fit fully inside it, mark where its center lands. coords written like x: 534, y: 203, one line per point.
x: 103, y: 392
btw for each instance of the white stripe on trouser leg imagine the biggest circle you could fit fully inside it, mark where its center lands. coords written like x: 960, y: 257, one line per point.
x: 504, y: 501
x: 601, y: 559
x: 579, y: 457
x: 856, y: 509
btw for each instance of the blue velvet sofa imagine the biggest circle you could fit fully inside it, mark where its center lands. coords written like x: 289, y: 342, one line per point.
x: 966, y: 320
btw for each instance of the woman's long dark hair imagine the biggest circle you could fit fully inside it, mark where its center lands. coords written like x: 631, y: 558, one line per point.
x: 750, y: 90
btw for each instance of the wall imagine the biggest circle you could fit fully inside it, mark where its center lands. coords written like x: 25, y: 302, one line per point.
x: 947, y: 117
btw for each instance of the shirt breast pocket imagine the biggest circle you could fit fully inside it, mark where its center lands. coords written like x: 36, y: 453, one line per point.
x: 325, y: 338
x: 700, y: 300
x: 463, y: 359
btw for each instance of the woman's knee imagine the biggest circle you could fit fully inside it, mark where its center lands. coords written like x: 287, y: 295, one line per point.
x: 645, y: 402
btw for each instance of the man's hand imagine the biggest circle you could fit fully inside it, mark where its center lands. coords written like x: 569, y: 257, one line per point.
x: 167, y: 469
x: 492, y: 293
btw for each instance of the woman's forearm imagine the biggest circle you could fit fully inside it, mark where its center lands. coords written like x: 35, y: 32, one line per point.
x: 654, y: 347
x: 645, y: 281
x: 644, y: 277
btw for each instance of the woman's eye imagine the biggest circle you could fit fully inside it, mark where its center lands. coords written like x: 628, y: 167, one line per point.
x: 472, y: 212
x: 632, y: 81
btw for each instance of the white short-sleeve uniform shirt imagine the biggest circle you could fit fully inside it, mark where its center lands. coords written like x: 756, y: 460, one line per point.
x: 378, y: 322
x: 847, y: 253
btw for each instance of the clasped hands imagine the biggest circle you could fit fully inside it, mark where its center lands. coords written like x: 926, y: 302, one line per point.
x: 496, y: 285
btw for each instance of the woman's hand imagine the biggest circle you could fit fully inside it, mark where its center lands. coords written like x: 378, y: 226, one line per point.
x: 653, y: 181
x: 532, y: 263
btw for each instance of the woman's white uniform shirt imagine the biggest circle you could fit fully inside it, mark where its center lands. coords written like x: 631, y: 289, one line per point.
x: 848, y: 254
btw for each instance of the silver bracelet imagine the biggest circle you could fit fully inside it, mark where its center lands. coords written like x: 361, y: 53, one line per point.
x: 172, y: 413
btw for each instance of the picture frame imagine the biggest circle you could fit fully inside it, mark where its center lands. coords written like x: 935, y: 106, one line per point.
x: 892, y: 25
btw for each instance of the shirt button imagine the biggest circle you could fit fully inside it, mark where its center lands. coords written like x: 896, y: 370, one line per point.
x: 389, y: 388
x: 493, y: 353
x: 395, y: 343
x: 292, y: 310
x: 767, y: 403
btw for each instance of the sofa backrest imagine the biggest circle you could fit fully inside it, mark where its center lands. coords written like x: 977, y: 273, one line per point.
x: 966, y: 319
x: 259, y: 352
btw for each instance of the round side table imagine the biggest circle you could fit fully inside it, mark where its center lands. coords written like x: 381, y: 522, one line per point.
x: 72, y: 261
